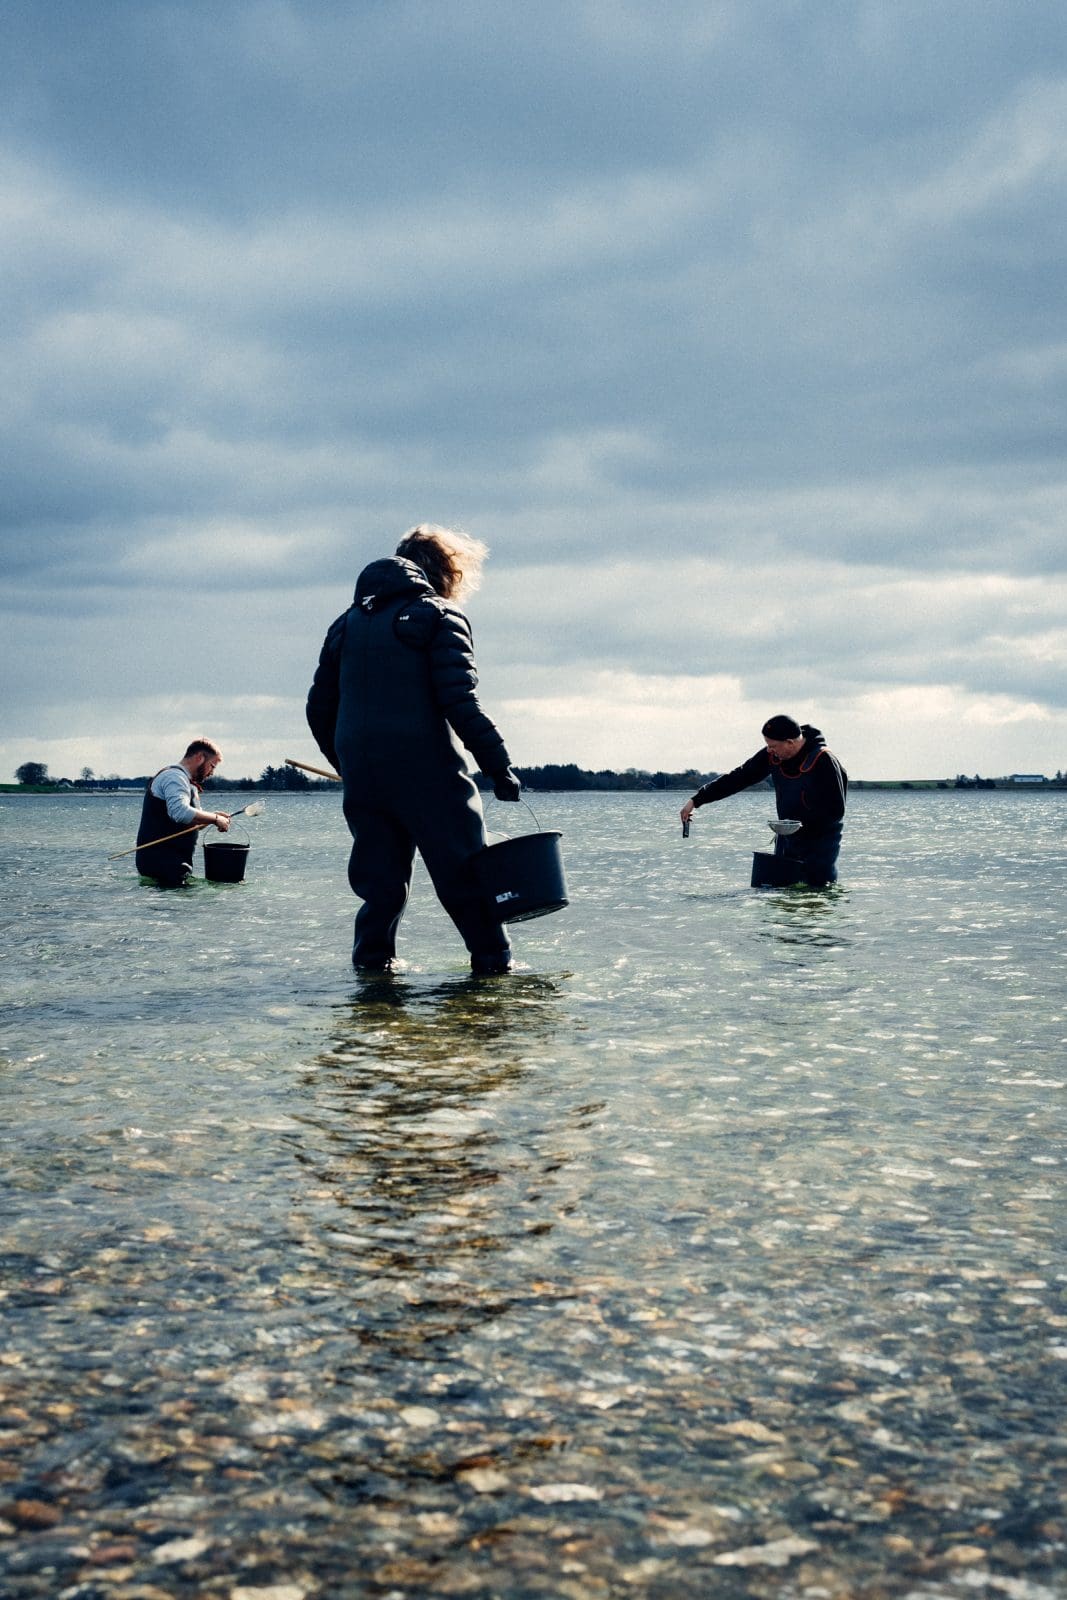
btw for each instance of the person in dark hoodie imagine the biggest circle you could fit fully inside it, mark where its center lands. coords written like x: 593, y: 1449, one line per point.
x: 393, y: 696
x: 810, y: 786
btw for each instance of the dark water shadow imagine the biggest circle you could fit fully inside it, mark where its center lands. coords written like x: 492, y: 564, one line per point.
x: 801, y: 915
x: 404, y: 1048
x: 421, y: 1163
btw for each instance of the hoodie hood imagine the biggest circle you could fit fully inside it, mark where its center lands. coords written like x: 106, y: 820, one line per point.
x: 809, y: 752
x: 389, y: 579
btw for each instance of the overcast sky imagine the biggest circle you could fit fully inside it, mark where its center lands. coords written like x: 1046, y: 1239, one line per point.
x: 735, y: 327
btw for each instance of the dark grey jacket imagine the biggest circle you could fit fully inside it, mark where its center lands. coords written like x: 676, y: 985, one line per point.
x: 395, y: 684
x: 810, y: 786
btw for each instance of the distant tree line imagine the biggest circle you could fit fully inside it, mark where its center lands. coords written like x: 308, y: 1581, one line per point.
x: 565, y: 777
x: 275, y: 780
x: 34, y: 775
x: 569, y: 777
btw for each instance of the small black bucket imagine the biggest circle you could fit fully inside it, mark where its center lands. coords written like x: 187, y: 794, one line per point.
x: 523, y: 877
x: 225, y: 861
x: 775, y: 872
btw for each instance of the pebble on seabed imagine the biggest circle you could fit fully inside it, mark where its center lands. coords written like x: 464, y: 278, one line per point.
x: 591, y: 1284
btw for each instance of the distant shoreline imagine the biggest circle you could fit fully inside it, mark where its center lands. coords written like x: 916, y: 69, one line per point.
x: 238, y: 786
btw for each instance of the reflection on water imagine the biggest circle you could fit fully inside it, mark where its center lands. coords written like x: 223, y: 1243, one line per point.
x: 409, y: 1125
x: 717, y: 1250
x: 415, y: 1022
x: 805, y: 916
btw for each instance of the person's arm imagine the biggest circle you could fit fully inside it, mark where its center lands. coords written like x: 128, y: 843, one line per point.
x: 324, y: 696
x: 754, y: 770
x: 455, y: 680
x: 178, y: 792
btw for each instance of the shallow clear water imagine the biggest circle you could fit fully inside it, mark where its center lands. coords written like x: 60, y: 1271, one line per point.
x: 719, y: 1249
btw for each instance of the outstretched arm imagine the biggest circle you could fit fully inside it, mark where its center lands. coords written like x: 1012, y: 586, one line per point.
x: 754, y: 770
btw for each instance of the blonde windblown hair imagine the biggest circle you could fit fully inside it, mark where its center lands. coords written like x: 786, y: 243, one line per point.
x: 452, y: 561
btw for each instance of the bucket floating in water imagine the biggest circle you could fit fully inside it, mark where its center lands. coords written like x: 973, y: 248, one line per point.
x: 775, y: 872
x: 225, y: 861
x: 523, y: 877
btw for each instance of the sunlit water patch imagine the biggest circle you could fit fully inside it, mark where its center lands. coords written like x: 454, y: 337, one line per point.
x: 718, y: 1249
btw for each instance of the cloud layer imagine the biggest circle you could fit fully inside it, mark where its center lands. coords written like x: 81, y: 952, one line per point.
x: 736, y: 330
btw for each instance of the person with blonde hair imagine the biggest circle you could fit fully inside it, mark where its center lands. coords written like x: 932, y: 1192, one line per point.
x: 392, y: 702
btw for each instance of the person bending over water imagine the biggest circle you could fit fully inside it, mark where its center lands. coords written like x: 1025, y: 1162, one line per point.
x: 395, y: 685
x: 810, y: 786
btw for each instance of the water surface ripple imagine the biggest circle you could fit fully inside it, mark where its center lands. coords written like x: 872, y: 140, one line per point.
x: 719, y: 1249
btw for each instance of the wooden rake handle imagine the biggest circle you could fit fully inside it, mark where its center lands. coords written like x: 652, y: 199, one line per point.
x: 167, y: 836
x: 320, y: 772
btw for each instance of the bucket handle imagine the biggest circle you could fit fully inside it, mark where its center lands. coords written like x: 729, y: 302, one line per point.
x: 224, y: 838
x: 529, y: 808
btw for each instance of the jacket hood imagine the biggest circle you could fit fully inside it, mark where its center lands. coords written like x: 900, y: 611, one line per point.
x: 387, y: 580
x: 806, y: 756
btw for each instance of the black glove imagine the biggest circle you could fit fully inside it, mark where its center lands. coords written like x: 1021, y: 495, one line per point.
x: 506, y: 785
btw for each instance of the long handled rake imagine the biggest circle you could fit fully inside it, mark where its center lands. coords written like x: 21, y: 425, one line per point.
x: 253, y: 809
x: 320, y: 772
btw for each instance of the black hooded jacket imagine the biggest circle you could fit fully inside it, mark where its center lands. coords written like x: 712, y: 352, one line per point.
x: 810, y: 786
x: 395, y: 684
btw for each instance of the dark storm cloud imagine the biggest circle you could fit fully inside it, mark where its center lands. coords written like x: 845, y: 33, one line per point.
x: 758, y: 233
x: 764, y: 284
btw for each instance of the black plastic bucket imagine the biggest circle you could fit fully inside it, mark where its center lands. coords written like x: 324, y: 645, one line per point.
x: 225, y: 861
x: 523, y: 877
x: 775, y: 872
